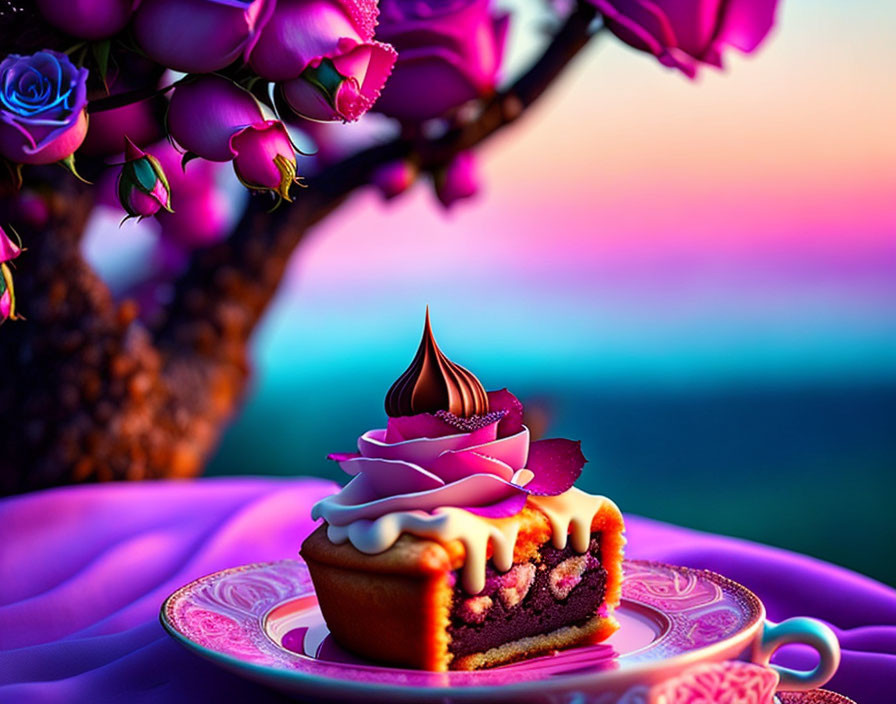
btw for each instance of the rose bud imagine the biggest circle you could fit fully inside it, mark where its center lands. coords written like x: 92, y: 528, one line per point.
x: 217, y: 120
x: 325, y: 56
x: 109, y: 128
x: 142, y: 187
x: 206, y: 112
x: 8, y: 250
x: 448, y: 54
x: 394, y: 178
x: 88, y: 19
x: 457, y: 181
x: 43, y: 100
x: 265, y: 158
x: 206, y: 207
x: 683, y: 35
x: 196, y: 36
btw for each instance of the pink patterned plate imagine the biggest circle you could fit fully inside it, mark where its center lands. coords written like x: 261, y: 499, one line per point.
x: 262, y: 621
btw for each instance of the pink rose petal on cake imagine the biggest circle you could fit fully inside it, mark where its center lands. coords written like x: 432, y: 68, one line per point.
x: 452, y: 466
x: 389, y: 477
x: 422, y: 425
x: 510, y: 506
x: 556, y: 463
x: 421, y: 451
x: 357, y: 499
x: 500, y: 457
x: 503, y: 400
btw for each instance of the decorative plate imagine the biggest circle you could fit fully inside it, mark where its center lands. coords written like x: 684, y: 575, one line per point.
x: 262, y: 621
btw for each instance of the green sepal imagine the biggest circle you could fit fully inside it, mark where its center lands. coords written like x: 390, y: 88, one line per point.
x: 187, y: 158
x: 15, y: 173
x: 69, y: 163
x: 144, y: 175
x: 100, y: 51
x: 325, y: 78
x: 160, y: 175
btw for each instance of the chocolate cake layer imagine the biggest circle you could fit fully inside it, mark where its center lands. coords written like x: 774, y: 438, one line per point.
x: 563, y: 588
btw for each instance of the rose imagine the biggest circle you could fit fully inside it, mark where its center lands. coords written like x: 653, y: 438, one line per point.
x: 217, y: 120
x: 264, y: 158
x: 448, y: 54
x: 395, y: 178
x: 88, y: 19
x: 8, y: 250
x: 685, y: 34
x: 197, y: 36
x: 423, y: 462
x: 43, y: 101
x: 458, y: 180
x: 142, y: 187
x: 324, y: 54
x: 206, y: 208
x: 108, y: 128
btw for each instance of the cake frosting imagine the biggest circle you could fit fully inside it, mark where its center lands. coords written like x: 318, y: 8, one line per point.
x: 451, y: 460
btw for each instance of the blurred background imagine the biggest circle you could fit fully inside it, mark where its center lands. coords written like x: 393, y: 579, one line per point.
x: 696, y: 280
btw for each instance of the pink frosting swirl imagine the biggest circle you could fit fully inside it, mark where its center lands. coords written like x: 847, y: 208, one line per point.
x: 484, y: 464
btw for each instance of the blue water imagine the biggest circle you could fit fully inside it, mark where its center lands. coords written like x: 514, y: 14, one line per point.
x: 809, y: 468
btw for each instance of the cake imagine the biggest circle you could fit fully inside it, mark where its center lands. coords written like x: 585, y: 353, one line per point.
x: 459, y: 543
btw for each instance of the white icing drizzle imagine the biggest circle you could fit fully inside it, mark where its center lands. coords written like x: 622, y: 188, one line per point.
x: 574, y: 509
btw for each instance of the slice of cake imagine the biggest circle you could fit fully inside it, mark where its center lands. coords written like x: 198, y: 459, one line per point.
x: 458, y: 543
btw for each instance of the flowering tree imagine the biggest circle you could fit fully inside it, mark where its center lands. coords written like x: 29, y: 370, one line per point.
x: 148, y: 100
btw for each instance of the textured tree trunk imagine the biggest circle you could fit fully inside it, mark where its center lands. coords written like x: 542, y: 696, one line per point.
x: 89, y: 393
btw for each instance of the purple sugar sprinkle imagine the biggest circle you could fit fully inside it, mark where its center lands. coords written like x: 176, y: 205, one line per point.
x: 471, y: 424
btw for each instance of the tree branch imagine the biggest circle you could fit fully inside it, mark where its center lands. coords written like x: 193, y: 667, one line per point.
x: 92, y: 394
x: 257, y: 252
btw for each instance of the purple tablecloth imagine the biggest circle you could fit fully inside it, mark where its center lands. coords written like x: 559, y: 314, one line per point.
x: 84, y: 570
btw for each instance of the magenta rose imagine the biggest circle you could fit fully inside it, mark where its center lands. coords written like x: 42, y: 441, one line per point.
x: 325, y: 57
x: 205, y: 210
x: 217, y: 120
x: 108, y: 128
x: 197, y: 36
x: 486, y: 465
x: 43, y: 101
x: 685, y: 33
x: 448, y: 54
x: 88, y: 19
x: 457, y: 181
x: 9, y: 250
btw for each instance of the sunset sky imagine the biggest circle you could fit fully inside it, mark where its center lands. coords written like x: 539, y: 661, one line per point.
x: 696, y: 279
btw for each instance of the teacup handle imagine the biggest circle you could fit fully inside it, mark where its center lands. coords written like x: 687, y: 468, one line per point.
x: 806, y: 631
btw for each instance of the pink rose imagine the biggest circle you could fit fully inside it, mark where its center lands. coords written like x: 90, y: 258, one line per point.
x: 43, y: 107
x: 457, y: 181
x: 485, y: 464
x: 108, y: 128
x: 325, y: 57
x: 217, y: 120
x: 88, y: 19
x: 205, y: 210
x: 9, y: 250
x: 197, y: 36
x: 448, y: 54
x: 685, y: 33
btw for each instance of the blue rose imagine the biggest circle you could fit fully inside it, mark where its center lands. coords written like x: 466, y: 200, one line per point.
x: 43, y: 107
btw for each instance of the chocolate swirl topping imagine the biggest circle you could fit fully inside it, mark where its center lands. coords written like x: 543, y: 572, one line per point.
x: 434, y: 383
